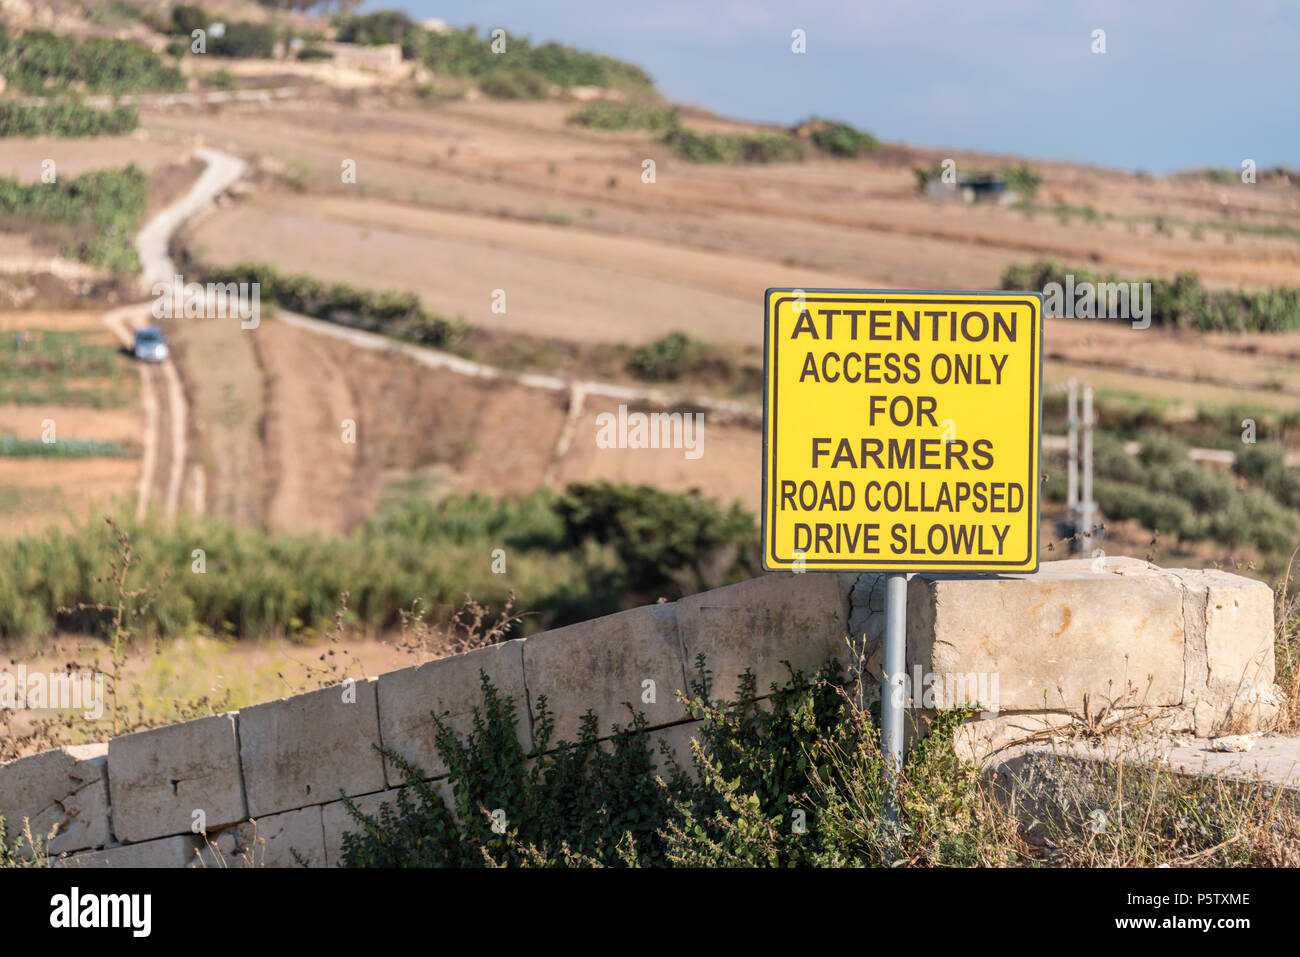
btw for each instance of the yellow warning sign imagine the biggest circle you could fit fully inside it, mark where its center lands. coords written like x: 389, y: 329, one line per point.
x: 901, y: 430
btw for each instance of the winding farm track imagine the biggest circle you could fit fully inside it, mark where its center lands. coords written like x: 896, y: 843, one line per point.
x: 162, y: 466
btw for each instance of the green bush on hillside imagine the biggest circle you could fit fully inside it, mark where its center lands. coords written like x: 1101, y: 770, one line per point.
x: 841, y: 139
x: 1023, y: 179
x: 376, y: 29
x: 516, y: 84
x: 94, y: 215
x: 700, y: 147
x: 66, y: 118
x: 607, y: 115
x: 1265, y: 466
x: 573, y: 556
x: 669, y: 543
x: 245, y: 40
x: 1182, y: 302
x: 667, y: 358
x: 186, y: 18
x: 464, y: 52
x: 41, y: 63
x: 397, y: 314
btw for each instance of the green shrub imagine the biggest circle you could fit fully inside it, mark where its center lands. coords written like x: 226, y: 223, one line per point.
x: 1205, y: 489
x: 244, y: 39
x: 186, y: 18
x: 1162, y: 450
x: 221, y: 80
x: 667, y: 358
x: 841, y: 139
x: 587, y: 552
x: 607, y: 115
x: 378, y: 28
x: 1022, y: 178
x: 731, y: 147
x: 803, y: 755
x: 15, y: 448
x: 669, y: 543
x: 41, y: 63
x: 396, y: 314
x: 465, y: 53
x: 1182, y: 302
x: 516, y: 84
x: 1265, y: 466
x: 115, y: 12
x: 1112, y: 462
x: 578, y: 802
x: 66, y: 119
x: 314, y: 53
x: 1159, y: 511
x: 94, y: 215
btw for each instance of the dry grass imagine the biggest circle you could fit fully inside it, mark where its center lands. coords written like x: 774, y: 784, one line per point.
x: 1286, y: 647
x: 1132, y: 810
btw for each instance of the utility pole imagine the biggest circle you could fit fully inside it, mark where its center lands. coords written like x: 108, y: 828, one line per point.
x: 1086, y: 507
x: 1072, y: 476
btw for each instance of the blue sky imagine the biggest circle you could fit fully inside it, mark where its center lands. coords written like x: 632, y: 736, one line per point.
x: 1182, y: 84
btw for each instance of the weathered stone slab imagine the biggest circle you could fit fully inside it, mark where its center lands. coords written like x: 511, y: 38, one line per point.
x: 801, y: 618
x: 633, y: 657
x: 1229, y: 660
x: 268, y: 842
x: 449, y: 687
x: 303, y: 750
x: 1048, y: 639
x: 64, y: 791
x: 157, y: 779
x: 180, y: 850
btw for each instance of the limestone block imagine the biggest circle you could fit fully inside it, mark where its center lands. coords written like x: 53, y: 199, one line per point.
x: 800, y: 618
x: 303, y: 750
x: 1046, y: 640
x: 451, y: 688
x: 157, y: 779
x: 268, y: 841
x: 1230, y: 664
x: 64, y: 791
x: 603, y: 665
x: 180, y: 850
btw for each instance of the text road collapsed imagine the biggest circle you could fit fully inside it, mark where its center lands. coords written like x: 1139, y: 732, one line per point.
x: 901, y: 430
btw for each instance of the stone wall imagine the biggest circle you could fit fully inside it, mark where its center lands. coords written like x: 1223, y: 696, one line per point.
x: 270, y: 777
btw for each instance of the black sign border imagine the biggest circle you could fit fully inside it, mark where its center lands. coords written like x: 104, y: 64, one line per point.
x: 898, y: 296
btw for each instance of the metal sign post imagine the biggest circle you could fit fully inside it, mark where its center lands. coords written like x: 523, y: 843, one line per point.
x: 892, y: 689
